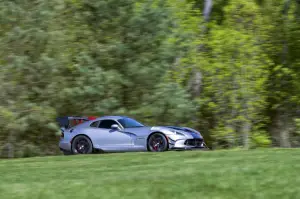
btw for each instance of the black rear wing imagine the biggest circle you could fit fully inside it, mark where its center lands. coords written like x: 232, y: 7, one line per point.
x: 71, y: 121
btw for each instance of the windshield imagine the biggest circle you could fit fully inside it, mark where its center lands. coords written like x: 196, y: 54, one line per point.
x: 129, y: 123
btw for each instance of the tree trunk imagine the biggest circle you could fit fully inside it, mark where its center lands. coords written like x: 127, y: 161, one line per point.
x: 10, y: 145
x: 284, y: 133
x: 207, y: 9
x: 8, y: 148
x: 285, y: 139
x: 280, y: 131
x: 195, y: 82
x: 246, y: 131
x: 196, y: 79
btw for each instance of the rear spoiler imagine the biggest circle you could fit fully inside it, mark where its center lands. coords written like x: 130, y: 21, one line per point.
x: 71, y: 121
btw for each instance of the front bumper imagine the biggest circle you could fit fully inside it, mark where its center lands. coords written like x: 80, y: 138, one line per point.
x: 186, y: 144
x: 189, y: 148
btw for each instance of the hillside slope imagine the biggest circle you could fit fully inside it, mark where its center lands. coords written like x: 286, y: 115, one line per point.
x: 264, y: 174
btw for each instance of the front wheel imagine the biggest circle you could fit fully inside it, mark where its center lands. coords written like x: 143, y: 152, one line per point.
x: 157, y: 142
x: 82, y: 145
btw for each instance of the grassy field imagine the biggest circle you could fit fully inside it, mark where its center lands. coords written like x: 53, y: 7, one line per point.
x: 266, y: 174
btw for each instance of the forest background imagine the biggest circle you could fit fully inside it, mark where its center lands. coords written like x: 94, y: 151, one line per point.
x: 228, y: 68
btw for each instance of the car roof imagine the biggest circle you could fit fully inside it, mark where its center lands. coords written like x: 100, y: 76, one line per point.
x: 112, y: 117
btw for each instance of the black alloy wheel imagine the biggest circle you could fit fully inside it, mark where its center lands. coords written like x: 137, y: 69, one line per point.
x: 82, y: 145
x: 157, y: 142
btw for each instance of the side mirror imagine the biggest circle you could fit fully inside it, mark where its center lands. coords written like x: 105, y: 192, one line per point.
x: 115, y: 127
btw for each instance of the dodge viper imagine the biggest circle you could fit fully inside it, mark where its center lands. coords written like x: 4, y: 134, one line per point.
x: 84, y: 135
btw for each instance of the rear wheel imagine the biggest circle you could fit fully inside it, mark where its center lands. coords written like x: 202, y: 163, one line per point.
x: 82, y: 145
x: 157, y: 142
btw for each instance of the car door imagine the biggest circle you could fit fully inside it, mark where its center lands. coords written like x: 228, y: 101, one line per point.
x: 110, y: 139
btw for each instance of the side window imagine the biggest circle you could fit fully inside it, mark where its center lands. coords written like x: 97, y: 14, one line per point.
x: 106, y: 124
x: 95, y: 124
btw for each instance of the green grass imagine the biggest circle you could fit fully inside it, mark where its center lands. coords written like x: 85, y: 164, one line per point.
x: 266, y: 174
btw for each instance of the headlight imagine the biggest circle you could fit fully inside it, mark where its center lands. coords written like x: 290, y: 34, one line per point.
x: 177, y: 133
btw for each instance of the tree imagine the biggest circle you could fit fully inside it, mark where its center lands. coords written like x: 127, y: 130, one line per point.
x: 282, y: 45
x: 88, y: 57
x: 236, y: 74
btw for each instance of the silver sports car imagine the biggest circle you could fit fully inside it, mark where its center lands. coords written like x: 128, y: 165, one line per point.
x: 123, y: 134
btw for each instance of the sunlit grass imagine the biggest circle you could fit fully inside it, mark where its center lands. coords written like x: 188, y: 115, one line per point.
x: 198, y: 174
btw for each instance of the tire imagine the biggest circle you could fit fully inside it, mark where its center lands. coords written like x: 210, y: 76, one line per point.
x: 82, y: 145
x: 157, y: 142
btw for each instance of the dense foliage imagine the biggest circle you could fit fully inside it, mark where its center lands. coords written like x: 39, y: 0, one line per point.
x: 228, y: 68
